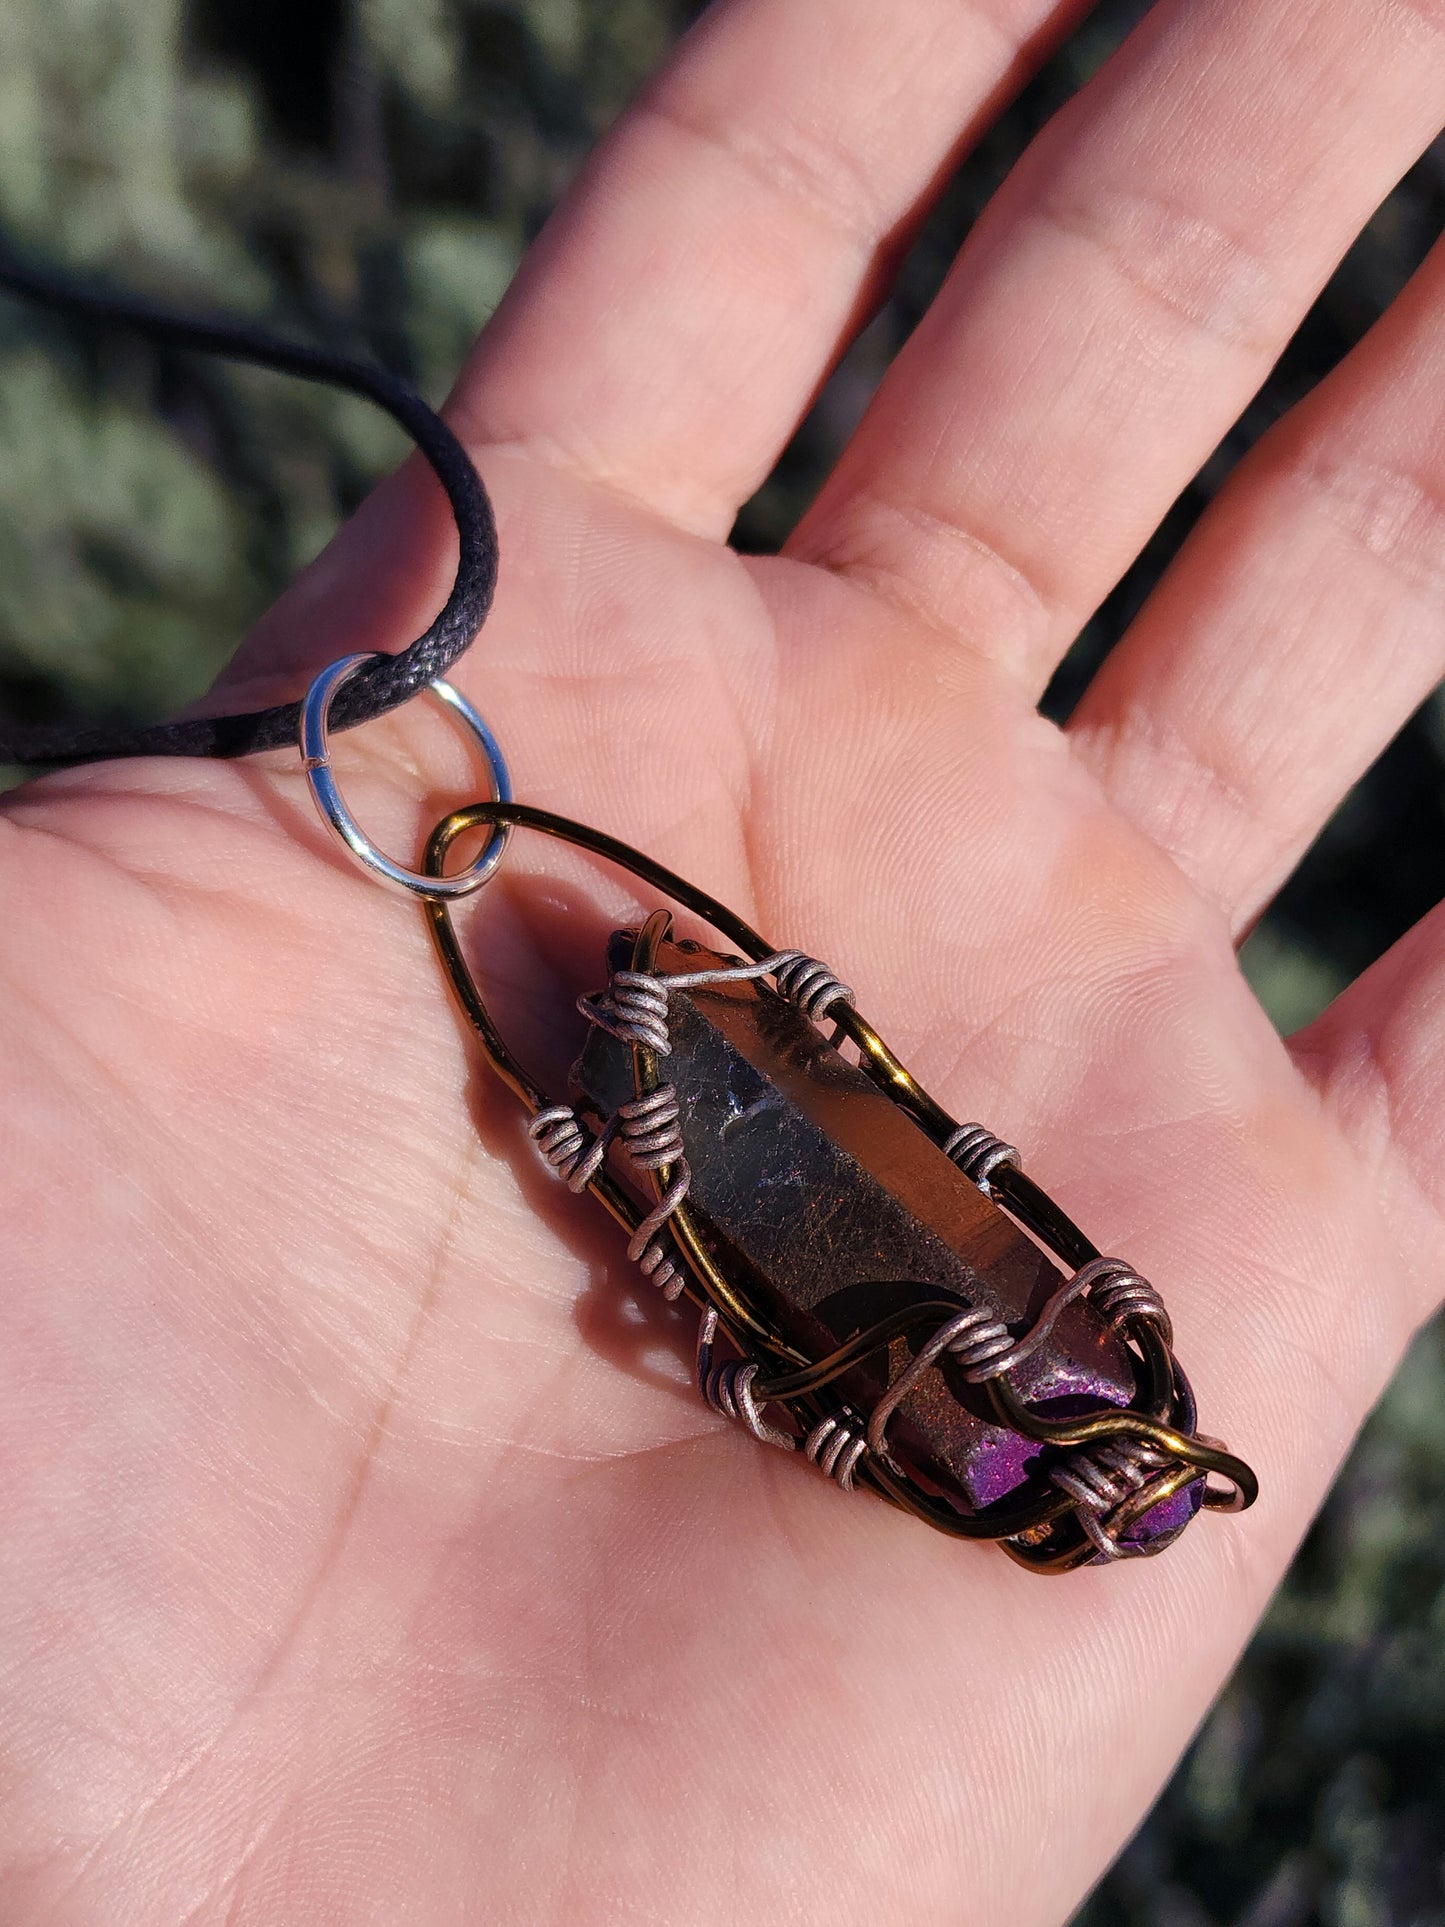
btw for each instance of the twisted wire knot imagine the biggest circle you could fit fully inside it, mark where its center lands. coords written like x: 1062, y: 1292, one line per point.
x: 1112, y: 1287
x: 1117, y: 1292
x: 835, y: 1445
x: 985, y: 1348
x: 978, y: 1153
x: 1100, y: 1479
x: 658, y: 1265
x: 978, y: 1340
x: 648, y: 1249
x: 975, y: 1336
x: 633, y: 1007
x: 651, y: 1128
x: 807, y: 983
x: 727, y: 1386
x: 567, y: 1149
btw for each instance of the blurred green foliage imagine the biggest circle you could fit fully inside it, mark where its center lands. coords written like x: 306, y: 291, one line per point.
x: 366, y: 173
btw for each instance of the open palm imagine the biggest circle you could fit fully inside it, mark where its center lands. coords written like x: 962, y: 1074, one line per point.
x: 367, y: 1557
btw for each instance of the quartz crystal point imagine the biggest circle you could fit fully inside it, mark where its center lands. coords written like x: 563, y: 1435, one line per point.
x: 831, y: 1209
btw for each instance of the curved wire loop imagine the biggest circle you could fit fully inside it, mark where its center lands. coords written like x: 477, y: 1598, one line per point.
x: 1094, y: 1476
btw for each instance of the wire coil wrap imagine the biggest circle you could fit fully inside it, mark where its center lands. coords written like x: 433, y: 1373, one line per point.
x: 836, y: 1445
x: 1101, y: 1479
x: 727, y: 1386
x: 566, y: 1147
x: 1118, y: 1293
x: 978, y: 1153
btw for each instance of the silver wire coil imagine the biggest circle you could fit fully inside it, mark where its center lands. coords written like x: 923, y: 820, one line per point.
x: 651, y: 1128
x: 978, y: 1153
x: 808, y: 984
x: 979, y: 1340
x: 1117, y: 1292
x: 633, y: 1008
x: 836, y: 1445
x: 648, y: 1125
x: 727, y: 1386
x: 566, y: 1147
x: 1103, y: 1478
x: 646, y: 1247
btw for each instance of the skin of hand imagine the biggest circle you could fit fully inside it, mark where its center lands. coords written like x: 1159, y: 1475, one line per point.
x: 367, y: 1557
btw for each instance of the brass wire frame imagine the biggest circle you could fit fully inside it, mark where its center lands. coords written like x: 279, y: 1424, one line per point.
x: 1038, y: 1525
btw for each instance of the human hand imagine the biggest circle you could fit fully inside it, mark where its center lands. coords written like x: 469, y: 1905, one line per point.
x: 365, y: 1557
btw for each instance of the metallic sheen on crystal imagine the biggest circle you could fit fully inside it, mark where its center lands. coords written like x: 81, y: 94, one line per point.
x: 831, y: 1207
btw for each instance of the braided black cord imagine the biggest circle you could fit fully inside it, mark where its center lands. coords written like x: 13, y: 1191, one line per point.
x: 384, y: 682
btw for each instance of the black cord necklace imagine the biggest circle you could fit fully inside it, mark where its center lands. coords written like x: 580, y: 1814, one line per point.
x: 384, y: 681
x: 991, y: 1372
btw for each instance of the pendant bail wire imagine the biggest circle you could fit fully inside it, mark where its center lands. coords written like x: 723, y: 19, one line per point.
x: 314, y: 739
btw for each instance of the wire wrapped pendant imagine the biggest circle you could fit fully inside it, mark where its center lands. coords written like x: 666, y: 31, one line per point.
x: 882, y: 1289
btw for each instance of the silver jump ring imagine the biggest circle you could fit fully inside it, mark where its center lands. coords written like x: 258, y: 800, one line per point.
x: 316, y: 760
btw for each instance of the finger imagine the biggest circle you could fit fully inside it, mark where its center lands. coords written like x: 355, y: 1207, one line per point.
x: 680, y: 310
x: 1119, y: 302
x: 1299, y: 627
x: 1377, y: 1059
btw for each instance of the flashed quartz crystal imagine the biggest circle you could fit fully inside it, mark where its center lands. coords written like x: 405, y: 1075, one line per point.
x: 823, y: 1198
